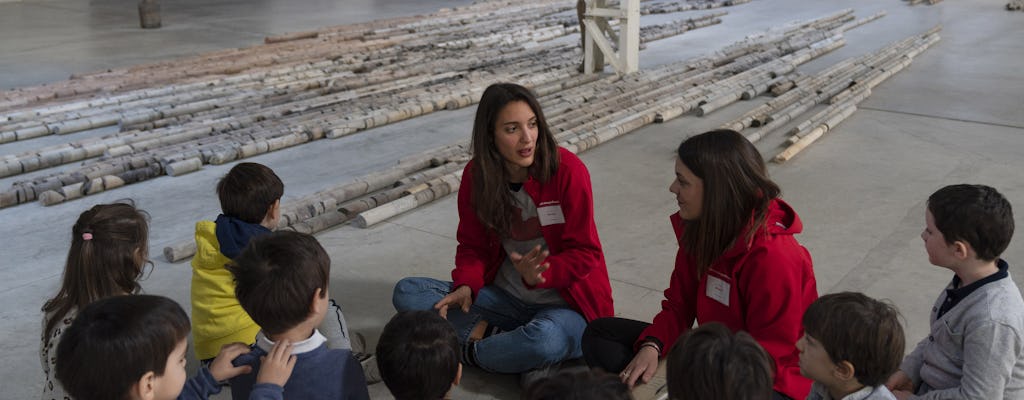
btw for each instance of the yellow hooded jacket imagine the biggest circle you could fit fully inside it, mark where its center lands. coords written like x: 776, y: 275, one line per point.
x: 217, y: 318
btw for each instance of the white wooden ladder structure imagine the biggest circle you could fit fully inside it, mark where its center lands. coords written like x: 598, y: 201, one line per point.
x: 597, y: 45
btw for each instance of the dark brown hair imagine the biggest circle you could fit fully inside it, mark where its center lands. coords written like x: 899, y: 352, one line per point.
x: 109, y: 263
x: 113, y: 342
x: 418, y: 355
x: 863, y: 331
x: 248, y: 191
x: 976, y: 214
x: 585, y: 385
x: 737, y: 192
x: 276, y: 277
x: 710, y: 362
x: 491, y: 197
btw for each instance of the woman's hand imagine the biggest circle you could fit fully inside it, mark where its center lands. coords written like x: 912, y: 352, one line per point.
x: 276, y: 367
x: 642, y: 368
x: 531, y: 265
x: 462, y: 297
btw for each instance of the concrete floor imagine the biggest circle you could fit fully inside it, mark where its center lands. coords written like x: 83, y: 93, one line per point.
x: 955, y: 115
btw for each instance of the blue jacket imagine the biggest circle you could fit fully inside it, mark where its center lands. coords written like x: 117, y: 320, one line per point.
x: 320, y: 373
x: 201, y: 386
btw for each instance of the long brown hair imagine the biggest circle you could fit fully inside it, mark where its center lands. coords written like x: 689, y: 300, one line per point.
x: 491, y: 197
x: 109, y: 247
x: 736, y: 187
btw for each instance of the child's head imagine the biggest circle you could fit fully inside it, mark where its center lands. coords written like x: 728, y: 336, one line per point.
x: 250, y: 192
x: 109, y: 247
x: 710, y: 362
x: 281, y: 280
x: 850, y: 336
x: 964, y: 218
x: 125, y: 347
x: 586, y: 385
x: 418, y: 356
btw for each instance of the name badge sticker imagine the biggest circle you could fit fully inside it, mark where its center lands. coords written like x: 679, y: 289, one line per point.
x: 718, y: 289
x: 550, y: 215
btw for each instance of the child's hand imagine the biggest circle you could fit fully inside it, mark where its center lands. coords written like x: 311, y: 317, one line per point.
x: 900, y: 381
x: 221, y: 367
x: 901, y: 394
x: 276, y: 367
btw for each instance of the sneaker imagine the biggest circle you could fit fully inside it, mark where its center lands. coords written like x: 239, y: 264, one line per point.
x: 357, y: 342
x: 370, y: 369
x: 367, y: 360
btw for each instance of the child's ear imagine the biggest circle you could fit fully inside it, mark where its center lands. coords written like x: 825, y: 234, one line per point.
x: 317, y: 306
x: 140, y: 255
x: 273, y: 215
x: 844, y: 371
x: 962, y: 250
x: 145, y: 388
x: 458, y: 377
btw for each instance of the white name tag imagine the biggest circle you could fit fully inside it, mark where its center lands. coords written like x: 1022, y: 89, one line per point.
x: 550, y: 215
x: 718, y: 289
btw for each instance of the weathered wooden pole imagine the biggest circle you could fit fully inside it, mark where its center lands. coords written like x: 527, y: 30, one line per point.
x: 149, y: 14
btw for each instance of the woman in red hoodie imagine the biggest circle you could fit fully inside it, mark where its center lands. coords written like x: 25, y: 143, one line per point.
x: 529, y: 270
x: 738, y: 264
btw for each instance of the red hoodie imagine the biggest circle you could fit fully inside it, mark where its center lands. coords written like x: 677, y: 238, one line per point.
x: 577, y: 269
x: 768, y: 283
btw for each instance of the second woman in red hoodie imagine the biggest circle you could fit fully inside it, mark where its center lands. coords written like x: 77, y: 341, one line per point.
x: 738, y: 264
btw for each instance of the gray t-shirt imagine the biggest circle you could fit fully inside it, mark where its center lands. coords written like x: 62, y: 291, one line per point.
x: 524, y: 235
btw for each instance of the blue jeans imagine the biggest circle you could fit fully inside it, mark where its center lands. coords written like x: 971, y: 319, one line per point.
x: 532, y: 335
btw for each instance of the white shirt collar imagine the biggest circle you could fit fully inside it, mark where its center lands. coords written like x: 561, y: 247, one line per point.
x: 305, y: 346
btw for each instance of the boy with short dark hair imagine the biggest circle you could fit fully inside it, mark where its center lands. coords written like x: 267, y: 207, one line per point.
x: 281, y: 280
x: 851, y: 344
x: 133, y: 347
x: 418, y: 356
x: 975, y: 349
x: 711, y: 362
x: 250, y: 200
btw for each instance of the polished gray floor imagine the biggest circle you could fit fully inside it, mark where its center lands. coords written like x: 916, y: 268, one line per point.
x: 955, y: 115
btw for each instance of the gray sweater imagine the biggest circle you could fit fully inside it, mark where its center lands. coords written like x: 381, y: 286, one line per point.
x: 975, y: 350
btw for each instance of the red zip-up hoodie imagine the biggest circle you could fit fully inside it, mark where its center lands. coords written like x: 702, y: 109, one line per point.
x: 577, y: 269
x: 762, y: 287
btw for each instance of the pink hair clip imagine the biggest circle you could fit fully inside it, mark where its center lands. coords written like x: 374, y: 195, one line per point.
x: 86, y: 236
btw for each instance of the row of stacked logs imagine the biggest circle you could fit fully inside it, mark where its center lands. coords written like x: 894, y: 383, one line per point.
x: 581, y: 116
x: 841, y: 86
x: 253, y: 113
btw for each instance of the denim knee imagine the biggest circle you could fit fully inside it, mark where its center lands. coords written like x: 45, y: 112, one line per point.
x: 549, y: 341
x: 411, y: 294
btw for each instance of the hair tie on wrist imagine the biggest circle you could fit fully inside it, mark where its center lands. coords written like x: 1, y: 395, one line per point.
x: 86, y: 236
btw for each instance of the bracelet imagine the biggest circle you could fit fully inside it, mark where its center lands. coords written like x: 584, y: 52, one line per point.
x: 651, y: 344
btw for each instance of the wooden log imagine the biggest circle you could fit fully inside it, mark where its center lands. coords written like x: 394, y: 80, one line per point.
x: 180, y: 251
x: 448, y: 184
x: 813, y: 135
x: 184, y: 167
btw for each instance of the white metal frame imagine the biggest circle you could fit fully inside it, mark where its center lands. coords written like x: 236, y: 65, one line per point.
x: 597, y: 45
